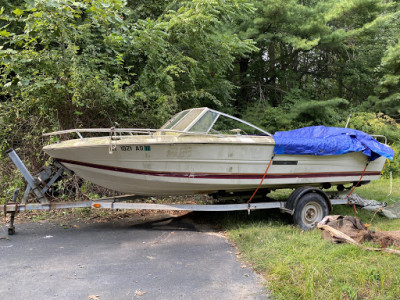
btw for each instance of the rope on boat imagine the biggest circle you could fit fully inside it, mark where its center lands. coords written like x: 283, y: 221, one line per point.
x: 259, y: 185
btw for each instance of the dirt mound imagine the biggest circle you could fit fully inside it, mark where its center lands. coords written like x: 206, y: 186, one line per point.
x: 346, y: 229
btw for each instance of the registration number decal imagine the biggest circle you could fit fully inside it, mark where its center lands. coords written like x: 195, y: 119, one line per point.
x: 137, y: 148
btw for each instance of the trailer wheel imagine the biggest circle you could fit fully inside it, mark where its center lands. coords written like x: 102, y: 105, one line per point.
x: 310, y: 209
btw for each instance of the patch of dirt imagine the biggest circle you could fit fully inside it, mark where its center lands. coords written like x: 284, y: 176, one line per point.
x: 349, y: 228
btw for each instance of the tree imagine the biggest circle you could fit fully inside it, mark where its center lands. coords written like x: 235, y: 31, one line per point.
x: 389, y: 85
x: 327, y: 50
x: 76, y: 59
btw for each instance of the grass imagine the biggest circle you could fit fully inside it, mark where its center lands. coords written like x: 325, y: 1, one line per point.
x: 301, y: 265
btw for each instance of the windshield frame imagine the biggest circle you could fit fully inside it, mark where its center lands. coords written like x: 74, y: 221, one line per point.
x: 196, y: 119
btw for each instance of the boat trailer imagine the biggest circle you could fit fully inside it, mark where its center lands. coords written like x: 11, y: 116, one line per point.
x: 39, y: 184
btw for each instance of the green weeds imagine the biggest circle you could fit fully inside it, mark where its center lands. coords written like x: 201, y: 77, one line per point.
x: 301, y: 265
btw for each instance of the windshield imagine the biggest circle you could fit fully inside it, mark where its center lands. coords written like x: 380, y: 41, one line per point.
x: 205, y: 123
x: 175, y: 119
x: 204, y: 120
x: 181, y: 121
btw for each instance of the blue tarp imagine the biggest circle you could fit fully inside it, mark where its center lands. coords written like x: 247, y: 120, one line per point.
x: 321, y: 140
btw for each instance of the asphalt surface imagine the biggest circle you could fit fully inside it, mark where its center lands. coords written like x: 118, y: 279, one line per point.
x: 164, y: 258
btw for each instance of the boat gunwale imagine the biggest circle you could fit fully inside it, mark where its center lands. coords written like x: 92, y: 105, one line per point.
x: 169, y: 140
x: 62, y: 145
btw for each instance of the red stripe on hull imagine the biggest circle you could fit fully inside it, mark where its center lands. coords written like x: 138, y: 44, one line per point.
x: 219, y: 175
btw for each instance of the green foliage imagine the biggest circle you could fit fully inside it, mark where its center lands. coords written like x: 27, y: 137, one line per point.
x: 298, y: 111
x: 380, y: 124
x: 376, y: 123
x: 320, y: 112
x: 394, y: 165
x: 85, y: 58
x: 328, y: 49
x: 389, y: 85
x: 188, y: 54
x: 61, y: 64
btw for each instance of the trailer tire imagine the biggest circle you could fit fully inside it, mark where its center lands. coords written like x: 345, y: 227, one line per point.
x: 310, y: 209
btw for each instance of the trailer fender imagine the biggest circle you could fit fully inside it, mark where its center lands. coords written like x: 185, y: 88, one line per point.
x: 294, y: 197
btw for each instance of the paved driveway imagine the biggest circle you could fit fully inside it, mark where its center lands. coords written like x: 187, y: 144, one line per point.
x: 162, y: 258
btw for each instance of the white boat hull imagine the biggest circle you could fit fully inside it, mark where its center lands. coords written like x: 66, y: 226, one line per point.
x: 173, y: 165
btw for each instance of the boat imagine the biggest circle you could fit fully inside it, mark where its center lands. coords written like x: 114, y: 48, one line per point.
x: 201, y: 150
